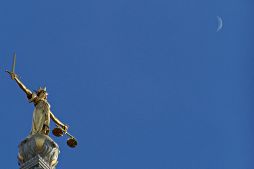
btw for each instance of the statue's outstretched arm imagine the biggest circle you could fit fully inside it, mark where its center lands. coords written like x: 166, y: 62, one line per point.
x: 21, y: 85
x: 58, y: 122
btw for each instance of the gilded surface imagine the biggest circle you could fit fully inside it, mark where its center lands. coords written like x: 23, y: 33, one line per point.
x: 41, y: 113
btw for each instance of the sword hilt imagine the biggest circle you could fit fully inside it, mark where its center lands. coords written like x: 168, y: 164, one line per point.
x: 12, y: 74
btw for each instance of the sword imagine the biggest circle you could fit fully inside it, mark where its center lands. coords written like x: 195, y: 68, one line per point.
x: 12, y: 73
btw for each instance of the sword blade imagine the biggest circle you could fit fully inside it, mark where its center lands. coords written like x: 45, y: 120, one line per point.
x: 14, y: 62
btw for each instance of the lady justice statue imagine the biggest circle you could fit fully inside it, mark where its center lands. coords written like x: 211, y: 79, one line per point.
x: 42, y: 113
x: 38, y: 144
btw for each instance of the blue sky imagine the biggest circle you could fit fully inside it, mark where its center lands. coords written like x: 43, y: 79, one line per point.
x: 144, y: 84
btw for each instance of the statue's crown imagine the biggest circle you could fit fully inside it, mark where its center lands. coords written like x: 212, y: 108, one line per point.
x: 42, y: 89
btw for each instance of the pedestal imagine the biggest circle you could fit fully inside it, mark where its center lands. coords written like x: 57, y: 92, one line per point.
x: 38, y: 151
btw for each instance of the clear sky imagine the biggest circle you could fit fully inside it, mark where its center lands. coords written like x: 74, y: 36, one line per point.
x: 143, y: 84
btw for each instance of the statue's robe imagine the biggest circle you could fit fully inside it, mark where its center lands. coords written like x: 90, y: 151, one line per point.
x: 41, y: 115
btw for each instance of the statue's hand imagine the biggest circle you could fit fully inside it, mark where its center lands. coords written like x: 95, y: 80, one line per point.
x: 13, y: 75
x: 65, y: 128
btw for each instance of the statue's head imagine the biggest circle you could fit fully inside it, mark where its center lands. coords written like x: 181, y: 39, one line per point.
x: 42, y: 93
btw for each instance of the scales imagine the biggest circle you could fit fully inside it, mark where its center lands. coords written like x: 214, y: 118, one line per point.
x: 59, y: 132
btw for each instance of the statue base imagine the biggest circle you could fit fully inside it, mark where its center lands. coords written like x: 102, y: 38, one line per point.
x: 35, y: 163
x: 38, y: 151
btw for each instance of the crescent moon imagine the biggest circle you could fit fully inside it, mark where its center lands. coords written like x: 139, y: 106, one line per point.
x: 220, y: 23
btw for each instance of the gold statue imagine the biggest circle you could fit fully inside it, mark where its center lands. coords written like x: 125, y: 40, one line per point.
x: 42, y: 113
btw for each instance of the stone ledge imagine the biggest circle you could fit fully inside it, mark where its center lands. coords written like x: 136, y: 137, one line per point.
x: 35, y: 163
